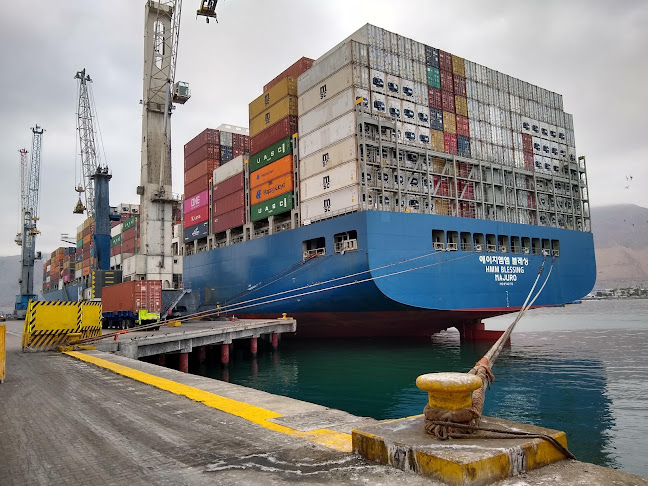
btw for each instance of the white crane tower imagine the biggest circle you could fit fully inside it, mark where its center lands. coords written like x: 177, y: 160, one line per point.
x: 30, y: 187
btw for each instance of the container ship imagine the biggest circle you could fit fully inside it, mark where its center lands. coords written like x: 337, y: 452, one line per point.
x: 388, y: 188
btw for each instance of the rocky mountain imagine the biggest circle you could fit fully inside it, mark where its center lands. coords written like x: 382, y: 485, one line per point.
x: 620, y: 241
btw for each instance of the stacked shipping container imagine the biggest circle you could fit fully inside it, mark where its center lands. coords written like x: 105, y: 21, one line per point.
x: 59, y: 269
x: 228, y: 196
x: 432, y: 100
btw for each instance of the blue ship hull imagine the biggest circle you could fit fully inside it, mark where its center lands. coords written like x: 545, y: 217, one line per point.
x: 395, y: 283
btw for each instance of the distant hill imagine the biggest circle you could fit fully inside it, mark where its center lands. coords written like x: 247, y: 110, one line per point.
x: 9, y: 269
x: 620, y: 242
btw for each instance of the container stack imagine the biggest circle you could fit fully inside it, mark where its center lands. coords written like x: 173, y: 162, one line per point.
x: 124, y: 235
x: 59, y: 268
x: 85, y: 248
x: 228, y: 196
x: 435, y: 105
x: 202, y: 156
x: 273, y: 121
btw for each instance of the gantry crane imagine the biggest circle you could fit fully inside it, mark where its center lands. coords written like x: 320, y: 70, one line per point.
x: 30, y: 187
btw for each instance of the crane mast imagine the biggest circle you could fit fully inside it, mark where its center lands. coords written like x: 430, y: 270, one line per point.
x: 30, y: 187
x: 88, y: 147
x: 162, y: 28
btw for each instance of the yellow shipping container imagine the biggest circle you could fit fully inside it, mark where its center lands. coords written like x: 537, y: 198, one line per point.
x: 436, y: 140
x: 285, y: 87
x: 78, y: 266
x: 449, y: 122
x: 89, y: 221
x: 441, y: 206
x: 461, y: 105
x: 458, y: 66
x: 281, y: 109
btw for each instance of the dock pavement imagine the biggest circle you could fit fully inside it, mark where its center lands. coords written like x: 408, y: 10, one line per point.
x: 102, y: 419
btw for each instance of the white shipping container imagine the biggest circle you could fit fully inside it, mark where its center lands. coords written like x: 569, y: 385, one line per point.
x: 518, y: 156
x: 555, y: 150
x: 329, y: 181
x: 350, y: 75
x: 408, y: 113
x: 378, y: 59
x: 571, y: 154
x: 409, y: 133
x: 422, y: 115
x: 330, y: 63
x: 233, y: 167
x: 364, y: 94
x: 537, y: 145
x: 378, y: 103
x: 418, y: 52
x: 547, y: 165
x: 421, y: 93
x: 562, y: 151
x: 406, y: 68
x: 328, y: 158
x: 408, y: 89
x: 116, y: 230
x: 420, y: 72
x: 329, y: 134
x: 327, y: 111
x: 546, y: 148
x: 517, y: 141
x: 78, y: 273
x: 423, y: 135
x: 329, y: 204
x: 377, y: 80
x: 394, y: 108
x: 393, y: 86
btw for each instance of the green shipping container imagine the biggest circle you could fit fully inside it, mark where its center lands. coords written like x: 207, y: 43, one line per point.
x: 433, y: 77
x: 269, y: 155
x: 79, y: 243
x: 129, y: 223
x: 116, y: 240
x: 276, y: 205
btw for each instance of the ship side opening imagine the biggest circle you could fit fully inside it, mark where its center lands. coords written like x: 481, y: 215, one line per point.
x: 314, y: 247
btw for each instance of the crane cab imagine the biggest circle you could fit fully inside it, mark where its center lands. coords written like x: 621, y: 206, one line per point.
x: 208, y: 9
x: 181, y: 92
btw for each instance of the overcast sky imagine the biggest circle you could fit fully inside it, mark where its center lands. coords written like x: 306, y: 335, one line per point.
x: 593, y: 52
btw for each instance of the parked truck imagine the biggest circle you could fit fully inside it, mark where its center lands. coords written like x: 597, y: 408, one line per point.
x: 130, y: 304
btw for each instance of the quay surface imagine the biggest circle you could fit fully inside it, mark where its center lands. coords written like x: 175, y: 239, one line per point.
x: 99, y: 418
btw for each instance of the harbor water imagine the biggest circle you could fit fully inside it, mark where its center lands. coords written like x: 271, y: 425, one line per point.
x: 582, y: 368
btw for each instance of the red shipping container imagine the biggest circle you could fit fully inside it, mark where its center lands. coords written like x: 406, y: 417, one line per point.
x: 434, y: 98
x: 527, y: 143
x: 128, y: 246
x: 450, y: 142
x: 285, y: 127
x: 129, y: 234
x: 447, y: 83
x: 207, y: 166
x: 229, y: 203
x: 459, y: 85
x: 194, y: 202
x: 209, y: 151
x: 294, y: 71
x: 209, y: 135
x: 237, y: 151
x: 199, y: 185
x: 528, y: 161
x: 132, y: 296
x: 228, y: 186
x: 445, y: 61
x: 228, y: 220
x: 463, y: 126
x: 197, y: 216
x: 447, y: 101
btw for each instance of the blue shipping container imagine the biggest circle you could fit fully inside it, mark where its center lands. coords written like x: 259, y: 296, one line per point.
x: 196, y: 232
x: 463, y: 145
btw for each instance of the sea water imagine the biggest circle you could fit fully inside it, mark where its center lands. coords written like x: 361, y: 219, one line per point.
x: 582, y: 368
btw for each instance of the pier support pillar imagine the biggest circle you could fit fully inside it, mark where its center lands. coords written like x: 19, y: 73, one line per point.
x: 225, y: 353
x: 161, y: 359
x: 202, y: 354
x: 183, y: 362
x: 275, y: 340
x: 253, y: 346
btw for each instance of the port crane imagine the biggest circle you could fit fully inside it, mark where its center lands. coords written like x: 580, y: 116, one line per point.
x: 29, y: 191
x: 95, y: 174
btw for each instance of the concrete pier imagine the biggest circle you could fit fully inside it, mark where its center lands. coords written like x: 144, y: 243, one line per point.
x: 194, y: 334
x: 103, y: 419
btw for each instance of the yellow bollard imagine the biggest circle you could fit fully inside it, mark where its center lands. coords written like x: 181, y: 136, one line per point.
x: 449, y: 391
x: 3, y: 351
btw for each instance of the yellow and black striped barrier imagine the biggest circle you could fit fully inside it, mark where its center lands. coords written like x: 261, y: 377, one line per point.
x: 48, y: 324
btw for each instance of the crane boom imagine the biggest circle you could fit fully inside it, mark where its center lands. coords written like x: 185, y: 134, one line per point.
x: 30, y: 180
x: 88, y: 147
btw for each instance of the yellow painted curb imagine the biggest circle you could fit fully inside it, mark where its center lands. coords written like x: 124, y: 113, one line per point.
x: 257, y: 415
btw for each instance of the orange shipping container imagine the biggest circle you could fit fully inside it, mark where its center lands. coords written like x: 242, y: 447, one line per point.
x: 85, y: 271
x: 86, y: 239
x: 270, y: 189
x: 207, y: 166
x: 271, y: 171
